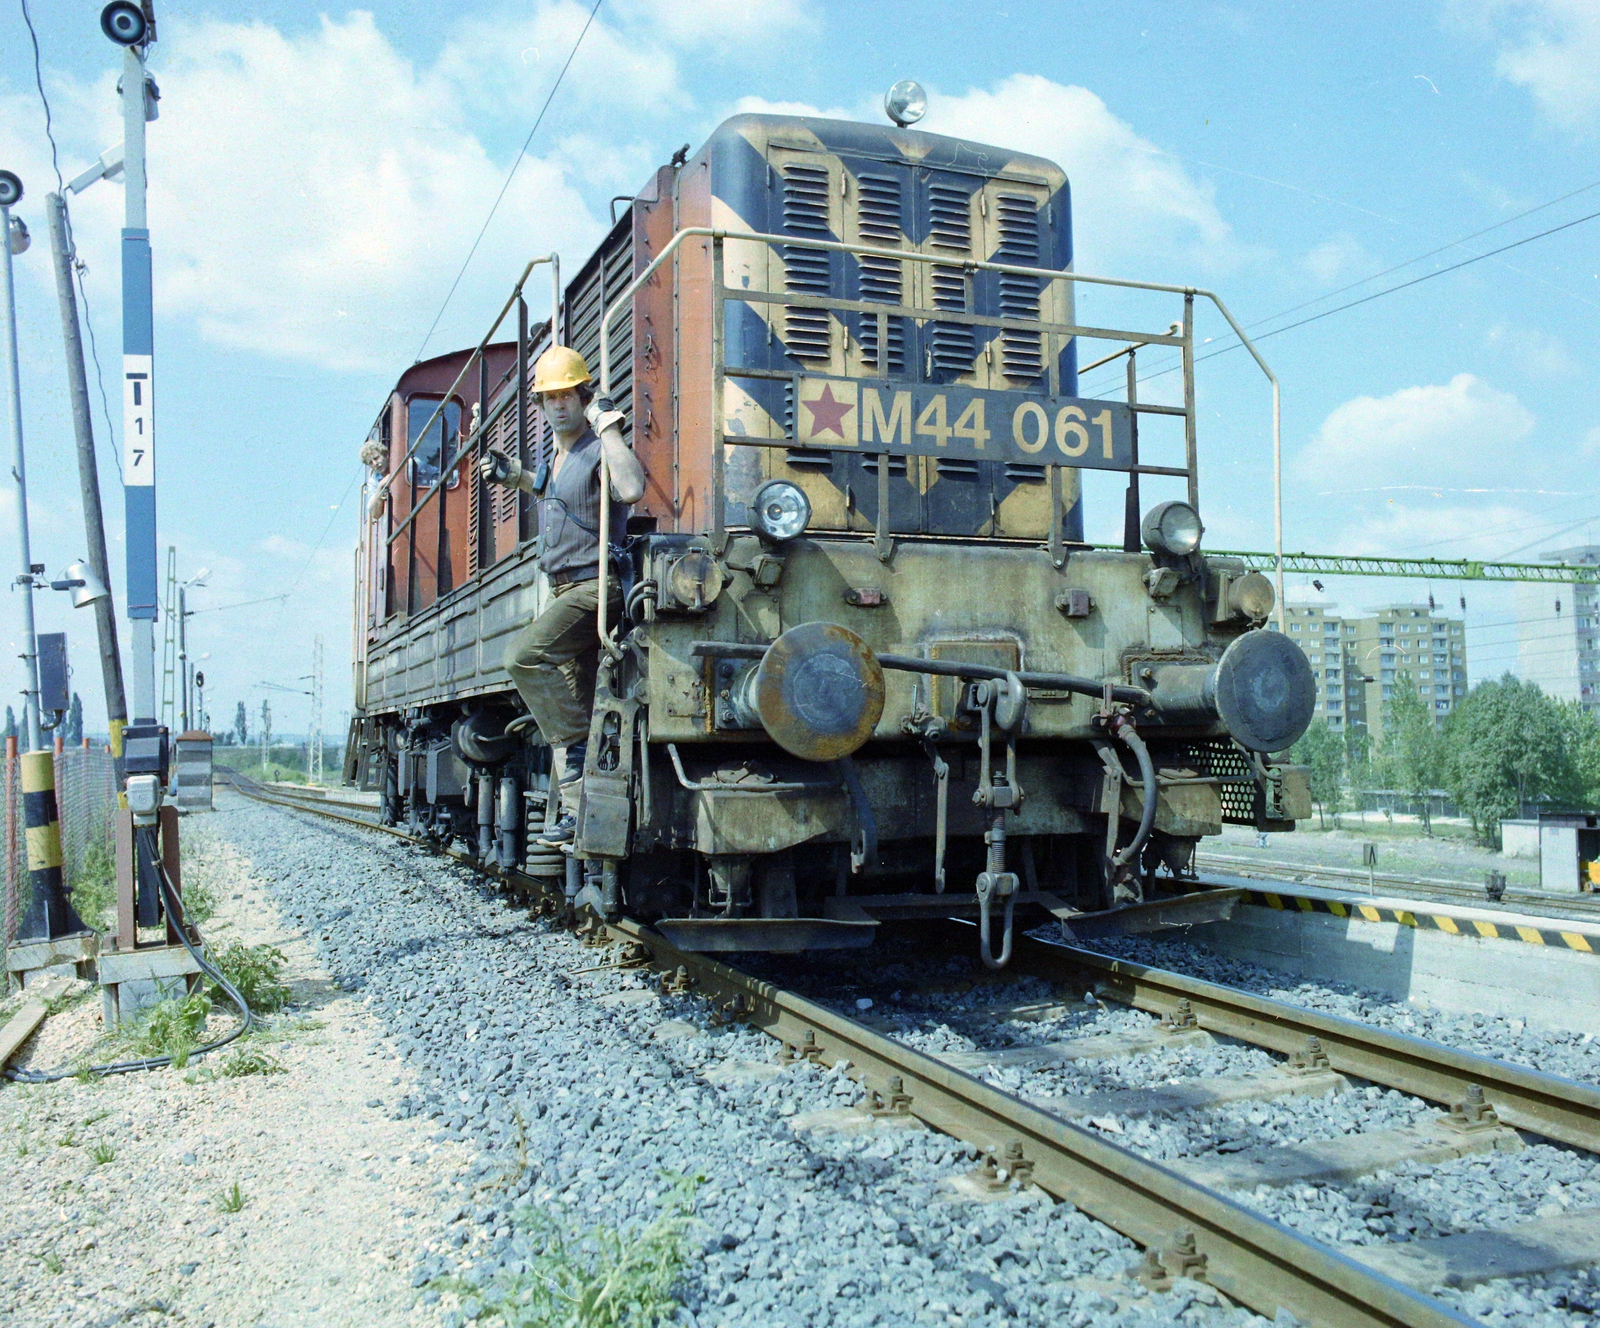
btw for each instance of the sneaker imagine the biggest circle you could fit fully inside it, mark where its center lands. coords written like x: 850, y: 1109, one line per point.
x: 565, y: 830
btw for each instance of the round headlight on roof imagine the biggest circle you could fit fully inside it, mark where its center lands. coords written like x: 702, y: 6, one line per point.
x: 1172, y: 528
x: 906, y: 102
x: 780, y: 510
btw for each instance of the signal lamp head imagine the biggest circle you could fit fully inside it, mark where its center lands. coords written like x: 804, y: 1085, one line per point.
x: 86, y: 587
x: 906, y: 102
x: 20, y: 239
x: 124, y: 23
x: 780, y: 510
x: 1172, y: 528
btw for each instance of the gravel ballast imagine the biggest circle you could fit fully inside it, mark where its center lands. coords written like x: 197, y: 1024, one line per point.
x: 582, y: 1095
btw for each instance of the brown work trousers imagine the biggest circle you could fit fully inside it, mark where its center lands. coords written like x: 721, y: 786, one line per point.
x: 554, y: 658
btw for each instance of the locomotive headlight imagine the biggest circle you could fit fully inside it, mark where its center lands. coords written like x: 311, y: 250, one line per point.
x: 1172, y: 528
x: 906, y: 102
x: 780, y: 510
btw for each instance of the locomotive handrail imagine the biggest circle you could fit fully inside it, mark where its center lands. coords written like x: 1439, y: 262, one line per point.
x: 718, y: 236
x: 486, y: 417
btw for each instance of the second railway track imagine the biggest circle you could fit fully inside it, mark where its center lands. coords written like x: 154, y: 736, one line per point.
x: 1187, y: 1227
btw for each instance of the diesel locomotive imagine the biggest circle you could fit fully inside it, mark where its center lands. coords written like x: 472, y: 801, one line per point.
x: 867, y: 667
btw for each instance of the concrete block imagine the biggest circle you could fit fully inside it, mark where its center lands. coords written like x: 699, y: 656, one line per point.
x: 134, y: 980
x: 1544, y: 1245
x: 1349, y: 1157
x: 1195, y: 1095
x: 1100, y: 1047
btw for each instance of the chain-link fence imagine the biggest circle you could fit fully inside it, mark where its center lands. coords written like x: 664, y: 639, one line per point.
x: 86, y: 793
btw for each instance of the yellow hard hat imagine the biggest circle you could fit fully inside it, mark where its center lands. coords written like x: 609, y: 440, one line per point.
x: 558, y: 368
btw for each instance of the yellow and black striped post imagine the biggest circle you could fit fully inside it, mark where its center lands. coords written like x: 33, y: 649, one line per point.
x: 50, y: 913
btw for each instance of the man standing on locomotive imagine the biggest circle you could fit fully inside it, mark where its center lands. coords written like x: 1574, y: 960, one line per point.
x: 553, y: 659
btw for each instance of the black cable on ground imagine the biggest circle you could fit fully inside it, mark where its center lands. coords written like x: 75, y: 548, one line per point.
x: 146, y: 847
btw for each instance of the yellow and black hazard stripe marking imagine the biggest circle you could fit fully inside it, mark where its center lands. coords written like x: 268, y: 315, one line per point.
x: 1473, y: 928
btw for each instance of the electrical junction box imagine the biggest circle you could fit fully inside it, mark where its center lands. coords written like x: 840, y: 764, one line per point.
x: 54, y: 690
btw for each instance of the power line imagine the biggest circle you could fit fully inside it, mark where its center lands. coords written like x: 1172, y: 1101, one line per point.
x: 1396, y: 268
x: 38, y: 79
x: 517, y: 162
x: 1378, y: 295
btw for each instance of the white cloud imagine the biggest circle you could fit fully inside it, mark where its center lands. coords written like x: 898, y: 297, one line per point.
x: 1336, y: 258
x: 1131, y: 202
x: 1591, y: 440
x: 1549, y: 47
x: 1453, y: 433
x: 1536, y: 354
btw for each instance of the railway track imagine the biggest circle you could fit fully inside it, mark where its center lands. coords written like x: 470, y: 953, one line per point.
x: 1177, y: 1213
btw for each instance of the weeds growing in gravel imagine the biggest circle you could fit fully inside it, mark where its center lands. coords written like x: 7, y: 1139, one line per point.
x: 102, y: 1153
x: 52, y: 1262
x: 232, y: 1199
x: 606, y: 1279
x: 256, y: 970
x: 94, y: 887
x: 247, y: 1060
x: 167, y: 1028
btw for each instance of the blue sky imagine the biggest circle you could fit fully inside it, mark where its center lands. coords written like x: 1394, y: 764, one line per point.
x: 318, y: 175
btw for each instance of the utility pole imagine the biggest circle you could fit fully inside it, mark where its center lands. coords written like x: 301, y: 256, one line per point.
x: 138, y: 375
x: 314, y: 738
x: 105, y: 611
x: 10, y: 195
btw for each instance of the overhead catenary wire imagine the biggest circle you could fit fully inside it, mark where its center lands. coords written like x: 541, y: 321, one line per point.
x: 522, y: 152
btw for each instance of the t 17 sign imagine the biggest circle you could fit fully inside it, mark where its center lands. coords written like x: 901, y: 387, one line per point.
x: 930, y: 419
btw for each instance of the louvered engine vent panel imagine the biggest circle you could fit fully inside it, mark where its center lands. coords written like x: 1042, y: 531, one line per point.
x: 806, y: 332
x: 949, y: 217
x: 880, y: 220
x: 1021, y: 353
x: 950, y: 344
x: 1024, y: 472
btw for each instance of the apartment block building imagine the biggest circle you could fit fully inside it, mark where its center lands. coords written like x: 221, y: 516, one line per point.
x: 1558, y: 633
x: 1357, y: 661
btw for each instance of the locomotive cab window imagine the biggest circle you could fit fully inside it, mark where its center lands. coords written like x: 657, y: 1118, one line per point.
x: 439, y: 449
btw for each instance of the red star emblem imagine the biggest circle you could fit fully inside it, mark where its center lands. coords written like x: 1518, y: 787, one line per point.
x: 827, y: 412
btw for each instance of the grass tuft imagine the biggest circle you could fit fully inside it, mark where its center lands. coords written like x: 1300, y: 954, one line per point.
x: 606, y: 1279
x: 247, y: 1060
x: 232, y: 1199
x: 102, y: 1153
x: 52, y: 1262
x: 168, y: 1028
x: 257, y: 971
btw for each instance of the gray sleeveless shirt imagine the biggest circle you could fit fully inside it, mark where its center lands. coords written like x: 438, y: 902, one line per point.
x: 569, y: 513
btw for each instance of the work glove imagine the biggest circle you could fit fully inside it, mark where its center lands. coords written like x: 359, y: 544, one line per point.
x: 602, y: 414
x: 496, y: 468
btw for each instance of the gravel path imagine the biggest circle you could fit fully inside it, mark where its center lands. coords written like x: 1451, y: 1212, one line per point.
x: 338, y: 1191
x: 582, y: 1096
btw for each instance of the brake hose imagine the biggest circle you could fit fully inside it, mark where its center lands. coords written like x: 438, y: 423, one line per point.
x: 144, y: 840
x: 1123, y: 728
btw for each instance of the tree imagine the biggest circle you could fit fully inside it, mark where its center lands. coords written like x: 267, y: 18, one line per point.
x: 1321, y: 750
x: 241, y: 725
x: 72, y: 726
x: 1510, y: 744
x: 1412, y: 745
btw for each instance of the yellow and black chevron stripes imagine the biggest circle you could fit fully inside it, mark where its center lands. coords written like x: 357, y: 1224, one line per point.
x: 1454, y: 926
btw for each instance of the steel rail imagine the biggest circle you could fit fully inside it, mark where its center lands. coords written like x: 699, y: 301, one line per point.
x: 1545, y: 1104
x: 1249, y: 1257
